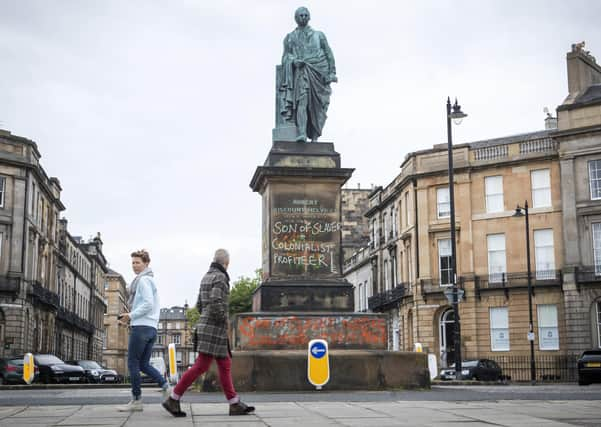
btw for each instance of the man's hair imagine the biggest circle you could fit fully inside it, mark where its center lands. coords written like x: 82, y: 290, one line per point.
x: 142, y: 254
x: 221, y: 257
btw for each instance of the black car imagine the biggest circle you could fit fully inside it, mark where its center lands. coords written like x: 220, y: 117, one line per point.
x: 54, y: 370
x: 480, y: 370
x: 96, y: 373
x: 589, y: 367
x: 11, y: 371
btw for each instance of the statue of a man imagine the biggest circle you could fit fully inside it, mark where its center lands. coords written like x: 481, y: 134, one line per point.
x: 307, y: 70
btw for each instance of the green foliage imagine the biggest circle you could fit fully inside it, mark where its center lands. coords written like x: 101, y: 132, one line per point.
x: 192, y: 315
x: 241, y: 293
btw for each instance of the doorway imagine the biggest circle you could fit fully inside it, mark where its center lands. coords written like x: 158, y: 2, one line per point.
x: 447, y: 347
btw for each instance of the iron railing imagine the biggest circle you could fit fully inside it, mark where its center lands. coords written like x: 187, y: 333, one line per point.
x: 383, y: 300
x: 587, y: 274
x: 506, y: 281
x: 43, y: 295
x: 553, y: 367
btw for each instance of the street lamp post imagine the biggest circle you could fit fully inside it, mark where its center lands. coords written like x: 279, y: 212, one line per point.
x: 523, y: 211
x: 457, y: 115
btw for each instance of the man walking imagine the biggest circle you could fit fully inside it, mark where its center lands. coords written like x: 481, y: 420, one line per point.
x: 144, y: 319
x: 211, y: 338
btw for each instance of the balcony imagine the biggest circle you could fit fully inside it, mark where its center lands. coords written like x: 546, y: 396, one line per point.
x: 73, y: 319
x: 432, y: 287
x: 42, y: 295
x: 385, y: 300
x: 507, y: 281
x: 587, y: 275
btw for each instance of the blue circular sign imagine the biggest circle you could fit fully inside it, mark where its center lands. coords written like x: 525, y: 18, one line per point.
x: 318, y: 350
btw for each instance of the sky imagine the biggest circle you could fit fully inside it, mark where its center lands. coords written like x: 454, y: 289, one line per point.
x: 155, y: 114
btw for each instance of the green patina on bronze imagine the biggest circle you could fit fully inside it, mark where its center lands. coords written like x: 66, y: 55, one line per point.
x: 303, y: 82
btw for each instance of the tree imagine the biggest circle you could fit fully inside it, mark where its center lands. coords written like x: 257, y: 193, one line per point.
x: 192, y: 314
x: 242, y: 291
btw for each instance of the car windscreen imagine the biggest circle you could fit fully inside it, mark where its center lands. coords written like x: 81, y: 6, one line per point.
x: 89, y: 364
x: 18, y: 362
x: 47, y: 359
x: 469, y: 364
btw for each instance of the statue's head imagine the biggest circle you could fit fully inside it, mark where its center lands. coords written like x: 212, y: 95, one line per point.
x: 302, y: 16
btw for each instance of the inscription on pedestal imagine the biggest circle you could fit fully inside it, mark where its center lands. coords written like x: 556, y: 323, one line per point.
x: 305, y: 231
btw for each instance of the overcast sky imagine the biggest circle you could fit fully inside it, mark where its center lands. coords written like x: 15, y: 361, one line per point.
x: 155, y: 114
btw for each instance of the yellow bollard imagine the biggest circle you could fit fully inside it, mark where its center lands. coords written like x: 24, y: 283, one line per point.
x: 172, y: 364
x: 418, y: 347
x: 318, y: 363
x: 28, y: 368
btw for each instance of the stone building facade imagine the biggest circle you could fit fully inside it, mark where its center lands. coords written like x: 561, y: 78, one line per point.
x: 51, y: 283
x: 557, y: 172
x: 175, y: 328
x: 117, y: 334
x: 355, y: 228
x: 579, y: 139
x: 29, y: 211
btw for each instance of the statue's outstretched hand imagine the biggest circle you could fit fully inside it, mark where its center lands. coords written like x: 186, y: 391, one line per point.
x: 332, y: 79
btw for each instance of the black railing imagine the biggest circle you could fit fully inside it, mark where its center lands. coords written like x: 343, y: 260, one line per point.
x: 73, y: 319
x: 384, y: 300
x: 548, y: 367
x: 587, y: 274
x: 506, y: 281
x: 433, y: 286
x: 43, y: 295
x: 9, y: 285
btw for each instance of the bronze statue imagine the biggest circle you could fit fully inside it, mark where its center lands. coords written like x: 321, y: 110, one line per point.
x: 304, y: 79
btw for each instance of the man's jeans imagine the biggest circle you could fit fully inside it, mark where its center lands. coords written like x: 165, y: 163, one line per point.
x: 141, y: 340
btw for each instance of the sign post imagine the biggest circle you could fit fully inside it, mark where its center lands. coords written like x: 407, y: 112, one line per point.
x: 172, y: 364
x: 318, y: 363
x: 28, y: 368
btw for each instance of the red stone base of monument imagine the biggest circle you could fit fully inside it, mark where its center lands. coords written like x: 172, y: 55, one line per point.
x: 272, y: 331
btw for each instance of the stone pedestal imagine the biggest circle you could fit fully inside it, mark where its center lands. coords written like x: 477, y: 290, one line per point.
x: 301, y: 226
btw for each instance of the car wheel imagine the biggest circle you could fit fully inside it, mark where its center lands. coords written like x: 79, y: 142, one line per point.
x: 582, y: 381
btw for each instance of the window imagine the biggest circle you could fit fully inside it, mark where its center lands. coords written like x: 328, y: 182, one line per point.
x: 499, y: 329
x: 443, y: 203
x: 594, y: 173
x: 406, y: 204
x: 541, y: 188
x: 548, y: 334
x: 177, y: 339
x: 365, y: 296
x: 191, y: 358
x: 544, y: 254
x: 493, y: 187
x: 496, y: 257
x: 161, y: 339
x: 596, y: 235
x: 2, y: 190
x: 360, y: 296
x: 386, y: 276
x: 160, y: 325
x: 599, y: 323
x: 169, y: 325
x: 445, y: 270
x: 178, y: 325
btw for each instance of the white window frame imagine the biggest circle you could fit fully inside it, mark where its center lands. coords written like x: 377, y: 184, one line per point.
x: 547, y: 327
x: 540, y: 184
x: 544, y: 254
x: 360, y: 296
x: 495, y: 274
x: 594, y: 178
x: 2, y: 190
x: 499, y: 329
x: 598, y: 306
x: 176, y: 339
x: 596, y: 241
x: 443, y: 202
x: 494, y: 196
x: 442, y: 252
x: 365, y: 296
x: 386, y: 275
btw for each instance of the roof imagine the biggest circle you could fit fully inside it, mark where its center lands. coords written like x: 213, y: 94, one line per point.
x: 173, y: 313
x: 591, y: 96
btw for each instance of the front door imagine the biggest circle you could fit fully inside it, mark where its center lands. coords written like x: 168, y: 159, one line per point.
x: 447, y: 349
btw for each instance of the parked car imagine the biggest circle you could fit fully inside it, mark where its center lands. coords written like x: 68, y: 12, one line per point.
x: 157, y: 363
x: 589, y: 367
x: 54, y: 370
x: 95, y: 373
x: 11, y: 371
x: 480, y: 370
